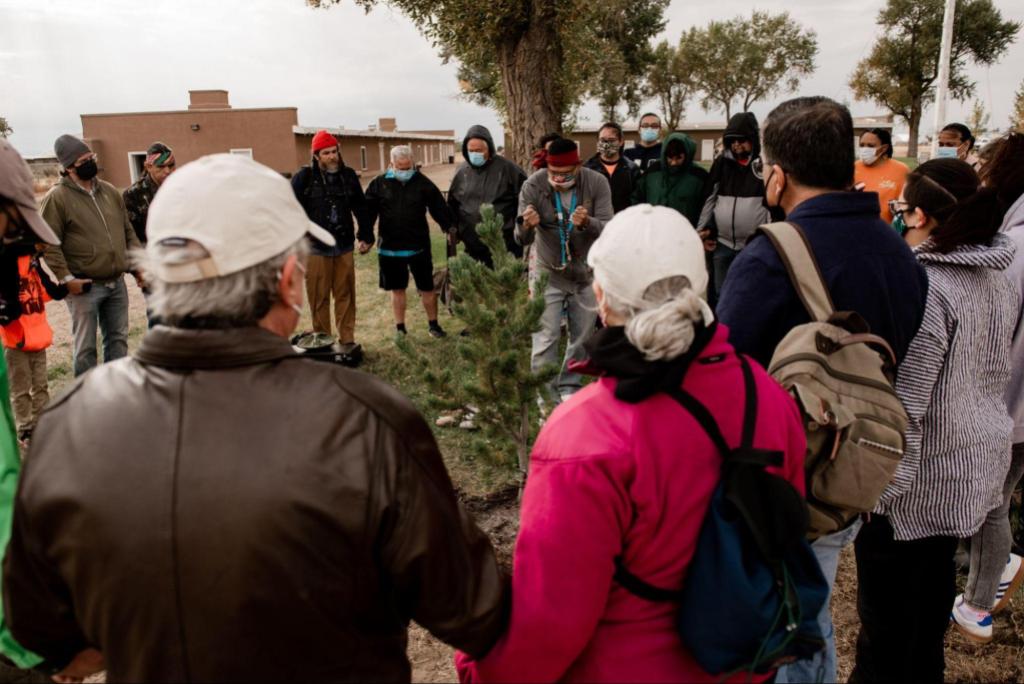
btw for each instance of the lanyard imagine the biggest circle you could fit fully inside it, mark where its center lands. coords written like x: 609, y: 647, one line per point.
x: 564, y: 224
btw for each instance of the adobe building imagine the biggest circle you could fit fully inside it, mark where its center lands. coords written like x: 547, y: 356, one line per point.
x: 708, y: 136
x: 270, y: 135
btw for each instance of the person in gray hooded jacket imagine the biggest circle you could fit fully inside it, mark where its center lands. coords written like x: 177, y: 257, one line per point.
x: 485, y: 178
x: 562, y: 210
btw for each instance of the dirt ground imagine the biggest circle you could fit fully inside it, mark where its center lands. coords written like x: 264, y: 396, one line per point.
x: 497, y: 513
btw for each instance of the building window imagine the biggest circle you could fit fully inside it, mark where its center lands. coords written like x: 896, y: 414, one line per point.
x: 362, y: 157
x: 244, y: 151
x: 136, y: 162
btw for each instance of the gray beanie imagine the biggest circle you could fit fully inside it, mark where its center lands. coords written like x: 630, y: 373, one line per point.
x: 68, y: 149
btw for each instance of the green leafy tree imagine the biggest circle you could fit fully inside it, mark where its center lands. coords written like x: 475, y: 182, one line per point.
x: 531, y: 59
x: 902, y: 68
x: 5, y: 128
x: 746, y: 60
x: 491, y: 366
x: 668, y: 81
x: 617, y: 77
x: 1017, y: 114
x: 979, y: 119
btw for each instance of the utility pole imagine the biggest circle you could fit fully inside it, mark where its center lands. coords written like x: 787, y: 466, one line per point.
x: 942, y: 87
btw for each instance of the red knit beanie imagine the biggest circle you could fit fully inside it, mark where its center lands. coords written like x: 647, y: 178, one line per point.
x: 322, y: 140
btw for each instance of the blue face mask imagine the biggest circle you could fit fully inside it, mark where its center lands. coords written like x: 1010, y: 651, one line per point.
x: 648, y: 135
x: 946, y: 153
x: 403, y: 175
x: 477, y: 158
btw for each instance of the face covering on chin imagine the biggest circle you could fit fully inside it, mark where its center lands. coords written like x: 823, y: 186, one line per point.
x: 648, y: 135
x: 477, y: 158
x: 87, y: 170
x: 946, y: 153
x: 868, y: 155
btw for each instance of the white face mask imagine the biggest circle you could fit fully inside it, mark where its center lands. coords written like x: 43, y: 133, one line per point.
x: 868, y: 155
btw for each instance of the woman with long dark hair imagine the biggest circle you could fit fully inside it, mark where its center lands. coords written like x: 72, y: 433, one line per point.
x: 996, y: 573
x: 952, y: 382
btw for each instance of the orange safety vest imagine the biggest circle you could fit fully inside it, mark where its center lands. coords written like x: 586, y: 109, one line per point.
x: 31, y: 332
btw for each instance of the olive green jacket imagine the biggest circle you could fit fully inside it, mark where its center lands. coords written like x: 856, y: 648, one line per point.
x: 94, y: 230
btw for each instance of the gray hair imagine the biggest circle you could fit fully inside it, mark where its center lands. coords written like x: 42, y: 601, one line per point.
x: 401, y: 152
x: 664, y: 327
x: 236, y: 300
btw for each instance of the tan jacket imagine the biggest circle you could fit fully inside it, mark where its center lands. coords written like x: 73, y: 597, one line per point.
x: 94, y: 230
x: 218, y: 508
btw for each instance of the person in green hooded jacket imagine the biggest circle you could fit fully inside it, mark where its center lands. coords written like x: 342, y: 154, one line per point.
x: 678, y: 182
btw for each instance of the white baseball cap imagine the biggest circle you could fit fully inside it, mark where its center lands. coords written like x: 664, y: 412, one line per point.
x: 642, y: 245
x: 242, y: 212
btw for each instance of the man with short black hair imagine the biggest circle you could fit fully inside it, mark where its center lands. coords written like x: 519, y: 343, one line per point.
x: 562, y: 210
x: 621, y: 173
x: 808, y: 172
x: 955, y: 141
x: 647, y: 152
x: 159, y: 164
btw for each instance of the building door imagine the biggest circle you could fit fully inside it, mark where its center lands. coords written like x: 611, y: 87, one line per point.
x: 380, y: 148
x: 707, y: 149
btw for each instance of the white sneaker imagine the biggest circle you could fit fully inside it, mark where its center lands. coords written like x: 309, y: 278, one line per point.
x: 1009, y: 582
x: 975, y: 625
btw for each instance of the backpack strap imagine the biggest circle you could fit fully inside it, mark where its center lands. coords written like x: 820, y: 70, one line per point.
x: 805, y: 274
x: 744, y: 454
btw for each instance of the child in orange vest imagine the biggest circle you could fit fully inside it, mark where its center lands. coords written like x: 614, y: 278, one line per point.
x: 26, y: 333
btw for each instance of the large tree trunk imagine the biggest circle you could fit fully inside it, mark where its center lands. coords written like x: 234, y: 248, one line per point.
x: 916, y: 111
x: 529, y: 66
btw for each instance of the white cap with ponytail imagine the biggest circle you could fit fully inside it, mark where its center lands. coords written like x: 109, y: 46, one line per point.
x: 649, y: 262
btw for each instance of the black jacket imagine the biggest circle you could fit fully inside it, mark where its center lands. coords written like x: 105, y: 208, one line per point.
x: 288, y: 536
x: 647, y: 158
x: 344, y: 199
x: 497, y: 182
x: 735, y: 206
x: 402, y: 209
x: 623, y: 182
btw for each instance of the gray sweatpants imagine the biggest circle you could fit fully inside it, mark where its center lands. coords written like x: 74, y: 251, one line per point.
x: 990, y: 546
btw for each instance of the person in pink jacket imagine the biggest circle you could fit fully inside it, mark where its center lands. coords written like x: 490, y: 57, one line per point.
x: 622, y: 470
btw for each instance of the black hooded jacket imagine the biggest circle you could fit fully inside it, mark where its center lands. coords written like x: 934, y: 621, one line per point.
x: 497, y: 182
x: 735, y: 206
x: 623, y: 181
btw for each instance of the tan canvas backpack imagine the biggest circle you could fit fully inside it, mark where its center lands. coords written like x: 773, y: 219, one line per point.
x: 842, y: 378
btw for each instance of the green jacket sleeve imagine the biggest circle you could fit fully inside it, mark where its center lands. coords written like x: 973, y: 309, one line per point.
x: 10, y: 465
x: 52, y: 211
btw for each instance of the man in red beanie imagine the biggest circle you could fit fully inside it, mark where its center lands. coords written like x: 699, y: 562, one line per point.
x: 330, y: 193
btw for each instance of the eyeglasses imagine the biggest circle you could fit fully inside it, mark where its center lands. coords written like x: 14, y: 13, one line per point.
x: 563, y: 177
x: 608, y: 141
x: 650, y: 125
x: 897, y: 208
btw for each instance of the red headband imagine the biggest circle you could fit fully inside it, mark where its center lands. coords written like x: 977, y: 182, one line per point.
x: 571, y: 158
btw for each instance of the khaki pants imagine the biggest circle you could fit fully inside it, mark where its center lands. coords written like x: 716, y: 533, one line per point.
x: 327, y: 276
x: 29, y: 392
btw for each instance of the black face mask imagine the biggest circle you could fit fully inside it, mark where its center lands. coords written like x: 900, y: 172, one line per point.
x: 743, y: 155
x: 87, y: 170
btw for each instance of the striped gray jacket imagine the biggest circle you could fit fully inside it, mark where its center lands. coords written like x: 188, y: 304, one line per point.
x: 952, y: 382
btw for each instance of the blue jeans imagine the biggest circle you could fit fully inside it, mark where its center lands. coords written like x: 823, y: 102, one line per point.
x: 104, y: 307
x: 721, y: 260
x: 822, y: 667
x: 581, y: 308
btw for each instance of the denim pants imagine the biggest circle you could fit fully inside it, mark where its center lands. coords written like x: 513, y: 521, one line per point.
x: 822, y: 667
x: 990, y: 546
x: 105, y: 307
x: 581, y: 307
x: 721, y: 260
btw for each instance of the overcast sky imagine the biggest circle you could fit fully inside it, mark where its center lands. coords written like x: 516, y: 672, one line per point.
x: 62, y: 58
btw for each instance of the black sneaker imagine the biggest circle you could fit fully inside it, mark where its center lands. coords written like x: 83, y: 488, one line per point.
x: 437, y: 331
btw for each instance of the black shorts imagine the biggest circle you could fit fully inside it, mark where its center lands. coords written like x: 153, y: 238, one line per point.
x: 394, y: 271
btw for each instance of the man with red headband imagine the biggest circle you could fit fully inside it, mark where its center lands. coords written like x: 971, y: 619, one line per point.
x: 331, y: 194
x: 158, y: 166
x: 563, y: 208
